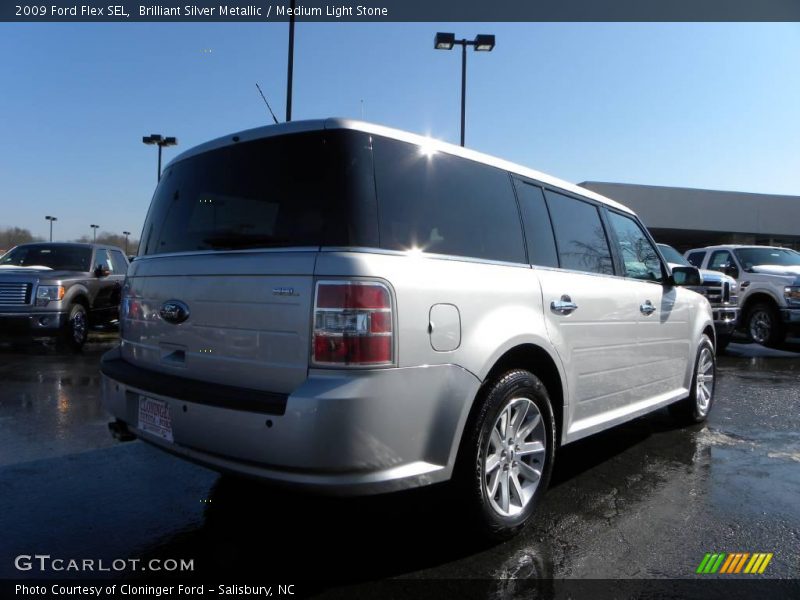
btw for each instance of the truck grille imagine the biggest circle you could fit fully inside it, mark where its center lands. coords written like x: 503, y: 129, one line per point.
x: 15, y: 294
x: 717, y: 293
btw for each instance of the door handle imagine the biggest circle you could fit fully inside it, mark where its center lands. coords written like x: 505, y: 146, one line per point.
x: 564, y: 306
x: 647, y: 308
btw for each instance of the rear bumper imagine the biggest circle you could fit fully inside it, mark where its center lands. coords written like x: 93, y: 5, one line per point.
x: 725, y: 320
x: 342, y: 432
x: 31, y: 325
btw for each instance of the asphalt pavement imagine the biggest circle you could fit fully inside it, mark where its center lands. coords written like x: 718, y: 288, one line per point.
x: 645, y: 500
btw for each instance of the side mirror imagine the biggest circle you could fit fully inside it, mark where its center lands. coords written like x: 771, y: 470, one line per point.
x: 686, y: 276
x: 100, y: 271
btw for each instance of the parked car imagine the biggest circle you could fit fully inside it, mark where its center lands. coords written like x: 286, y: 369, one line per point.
x: 720, y: 290
x: 348, y: 308
x: 58, y: 290
x: 769, y: 286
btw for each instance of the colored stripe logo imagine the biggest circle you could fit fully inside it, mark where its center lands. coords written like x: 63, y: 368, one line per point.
x: 734, y: 562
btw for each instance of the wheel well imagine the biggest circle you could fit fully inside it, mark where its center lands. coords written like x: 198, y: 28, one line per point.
x: 709, y: 331
x: 536, y: 360
x: 81, y: 299
x: 754, y: 299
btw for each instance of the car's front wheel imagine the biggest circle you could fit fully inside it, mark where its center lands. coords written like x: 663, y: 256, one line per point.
x: 696, y: 407
x: 508, y: 456
x: 764, y: 325
x: 76, y: 329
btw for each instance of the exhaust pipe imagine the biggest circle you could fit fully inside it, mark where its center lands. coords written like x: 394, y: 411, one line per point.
x: 119, y: 431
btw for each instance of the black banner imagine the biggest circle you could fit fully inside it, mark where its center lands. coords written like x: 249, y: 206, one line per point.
x: 398, y: 10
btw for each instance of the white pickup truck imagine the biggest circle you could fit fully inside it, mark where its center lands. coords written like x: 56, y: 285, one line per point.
x: 769, y: 286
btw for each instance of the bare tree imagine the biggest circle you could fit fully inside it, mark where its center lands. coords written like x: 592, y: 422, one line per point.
x: 13, y: 236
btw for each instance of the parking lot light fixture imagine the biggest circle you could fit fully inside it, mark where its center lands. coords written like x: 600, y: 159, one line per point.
x: 51, y: 219
x: 126, y: 234
x: 160, y: 141
x: 94, y: 231
x: 482, y: 43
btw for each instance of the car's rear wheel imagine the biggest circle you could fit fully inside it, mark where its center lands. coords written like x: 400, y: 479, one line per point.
x: 764, y: 325
x: 508, y: 456
x: 696, y: 407
x: 76, y: 329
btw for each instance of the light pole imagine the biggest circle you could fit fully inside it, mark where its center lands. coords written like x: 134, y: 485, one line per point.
x: 94, y: 231
x: 481, y: 43
x: 51, y: 219
x: 161, y: 141
x: 126, y: 234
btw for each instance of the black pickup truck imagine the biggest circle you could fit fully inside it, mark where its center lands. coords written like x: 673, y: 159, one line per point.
x: 59, y: 290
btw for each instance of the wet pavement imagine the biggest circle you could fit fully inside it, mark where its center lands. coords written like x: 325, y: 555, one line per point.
x: 644, y: 500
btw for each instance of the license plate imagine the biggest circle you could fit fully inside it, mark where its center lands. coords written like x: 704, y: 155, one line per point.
x: 154, y: 418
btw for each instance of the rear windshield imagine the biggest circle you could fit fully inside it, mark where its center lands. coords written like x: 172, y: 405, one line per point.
x: 51, y: 256
x: 305, y: 189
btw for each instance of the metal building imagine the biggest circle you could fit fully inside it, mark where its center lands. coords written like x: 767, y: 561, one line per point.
x: 689, y: 218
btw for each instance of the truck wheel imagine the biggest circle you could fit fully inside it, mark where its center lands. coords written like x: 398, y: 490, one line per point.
x: 764, y: 325
x: 76, y: 329
x: 508, y: 455
x: 696, y: 407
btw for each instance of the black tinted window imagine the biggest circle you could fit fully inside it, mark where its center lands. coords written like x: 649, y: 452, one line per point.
x: 305, y: 189
x: 639, y: 257
x: 53, y: 256
x: 538, y: 230
x: 696, y: 259
x: 444, y: 204
x: 581, y: 239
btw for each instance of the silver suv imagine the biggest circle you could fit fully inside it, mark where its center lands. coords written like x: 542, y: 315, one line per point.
x: 353, y: 309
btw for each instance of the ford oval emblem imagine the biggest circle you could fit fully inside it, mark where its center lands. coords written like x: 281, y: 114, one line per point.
x: 174, y: 311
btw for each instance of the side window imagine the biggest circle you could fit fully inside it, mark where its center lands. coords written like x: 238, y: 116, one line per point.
x: 696, y: 259
x: 440, y: 203
x: 639, y: 257
x: 722, y: 261
x: 101, y: 259
x: 538, y: 230
x: 581, y: 239
x: 118, y: 263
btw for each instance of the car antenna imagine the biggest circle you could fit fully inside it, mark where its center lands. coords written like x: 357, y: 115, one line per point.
x: 274, y: 118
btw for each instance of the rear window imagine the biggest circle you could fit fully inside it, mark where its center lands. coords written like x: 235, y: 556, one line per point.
x: 51, y: 256
x: 444, y: 204
x: 306, y: 189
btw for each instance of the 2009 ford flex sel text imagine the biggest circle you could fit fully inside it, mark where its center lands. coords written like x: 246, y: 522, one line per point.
x: 349, y: 308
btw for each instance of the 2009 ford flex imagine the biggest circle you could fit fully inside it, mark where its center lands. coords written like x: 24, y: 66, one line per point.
x: 345, y: 307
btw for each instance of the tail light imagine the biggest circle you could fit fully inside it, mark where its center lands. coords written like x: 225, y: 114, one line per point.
x: 353, y: 324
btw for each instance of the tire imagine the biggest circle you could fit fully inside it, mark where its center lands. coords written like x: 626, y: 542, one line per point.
x: 518, y: 473
x: 722, y: 343
x: 75, y: 330
x: 697, y: 406
x: 764, y: 325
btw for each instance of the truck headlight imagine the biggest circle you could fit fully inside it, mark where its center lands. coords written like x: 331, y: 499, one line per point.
x: 792, y: 295
x: 49, y: 293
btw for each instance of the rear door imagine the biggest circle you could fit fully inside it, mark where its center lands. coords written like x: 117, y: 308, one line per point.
x: 590, y: 314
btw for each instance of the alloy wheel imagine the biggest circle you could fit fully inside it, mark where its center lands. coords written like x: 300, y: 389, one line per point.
x: 514, y: 457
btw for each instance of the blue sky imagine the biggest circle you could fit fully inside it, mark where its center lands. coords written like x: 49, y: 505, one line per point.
x: 695, y: 105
